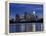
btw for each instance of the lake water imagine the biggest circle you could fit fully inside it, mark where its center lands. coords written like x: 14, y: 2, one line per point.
x: 25, y: 27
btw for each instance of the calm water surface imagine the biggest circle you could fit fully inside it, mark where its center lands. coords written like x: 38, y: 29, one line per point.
x: 25, y: 27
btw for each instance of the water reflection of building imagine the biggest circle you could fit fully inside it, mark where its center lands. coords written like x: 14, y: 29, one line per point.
x: 20, y: 27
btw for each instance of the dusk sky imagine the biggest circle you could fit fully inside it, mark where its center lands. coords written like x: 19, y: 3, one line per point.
x: 16, y: 8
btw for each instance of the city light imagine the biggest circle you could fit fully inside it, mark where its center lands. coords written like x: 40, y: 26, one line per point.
x: 34, y: 12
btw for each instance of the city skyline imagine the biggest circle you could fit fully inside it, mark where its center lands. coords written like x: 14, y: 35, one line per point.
x: 25, y: 17
x: 16, y: 8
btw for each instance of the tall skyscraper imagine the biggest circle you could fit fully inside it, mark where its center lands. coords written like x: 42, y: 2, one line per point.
x: 17, y: 17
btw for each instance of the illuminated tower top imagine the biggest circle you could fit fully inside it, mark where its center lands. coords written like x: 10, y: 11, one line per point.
x: 33, y: 12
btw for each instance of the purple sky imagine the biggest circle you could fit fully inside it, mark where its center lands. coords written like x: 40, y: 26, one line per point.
x: 16, y: 8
